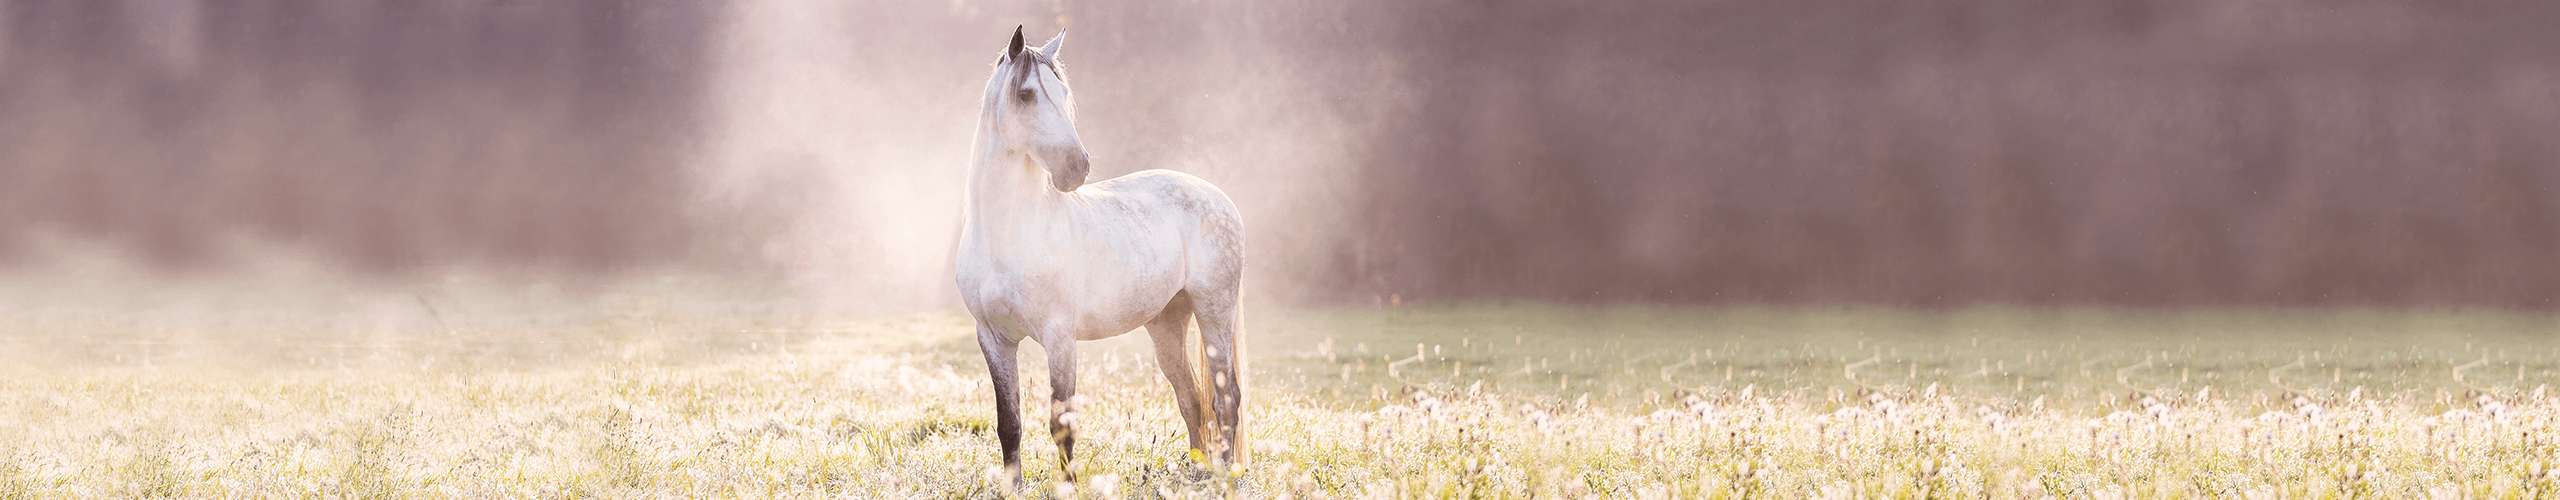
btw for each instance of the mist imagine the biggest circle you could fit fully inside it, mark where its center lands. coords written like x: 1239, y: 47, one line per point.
x: 1920, y: 153
x: 1493, y: 248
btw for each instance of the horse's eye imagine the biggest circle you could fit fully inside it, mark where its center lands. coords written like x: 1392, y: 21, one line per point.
x: 1025, y: 95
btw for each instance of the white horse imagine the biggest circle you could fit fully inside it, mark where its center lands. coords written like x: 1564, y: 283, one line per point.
x: 1045, y: 256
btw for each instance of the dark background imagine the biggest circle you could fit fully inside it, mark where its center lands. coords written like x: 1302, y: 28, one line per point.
x: 2208, y: 152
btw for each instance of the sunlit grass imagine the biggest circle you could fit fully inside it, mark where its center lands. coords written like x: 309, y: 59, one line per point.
x: 1501, y: 400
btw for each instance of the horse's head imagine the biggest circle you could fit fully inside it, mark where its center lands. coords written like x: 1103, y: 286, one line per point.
x: 1035, y: 113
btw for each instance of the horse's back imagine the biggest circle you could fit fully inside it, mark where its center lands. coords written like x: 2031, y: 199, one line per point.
x: 1213, y: 230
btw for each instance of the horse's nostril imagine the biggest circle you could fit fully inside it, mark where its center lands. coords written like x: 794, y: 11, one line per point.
x: 1071, y: 174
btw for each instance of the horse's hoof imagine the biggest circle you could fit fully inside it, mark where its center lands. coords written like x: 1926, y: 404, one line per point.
x: 1007, y: 478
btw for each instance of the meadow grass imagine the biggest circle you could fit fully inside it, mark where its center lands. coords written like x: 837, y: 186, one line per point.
x: 1501, y: 400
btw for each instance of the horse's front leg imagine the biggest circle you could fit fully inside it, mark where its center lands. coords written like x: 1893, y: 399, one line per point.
x: 1000, y: 367
x: 1062, y: 399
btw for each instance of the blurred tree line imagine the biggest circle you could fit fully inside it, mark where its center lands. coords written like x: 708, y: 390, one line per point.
x: 1947, y: 152
x: 388, y: 135
x: 1934, y: 152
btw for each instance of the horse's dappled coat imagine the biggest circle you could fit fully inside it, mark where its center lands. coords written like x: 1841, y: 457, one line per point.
x: 1045, y: 256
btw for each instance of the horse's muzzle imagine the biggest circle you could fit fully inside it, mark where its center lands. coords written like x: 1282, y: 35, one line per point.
x: 1069, y: 174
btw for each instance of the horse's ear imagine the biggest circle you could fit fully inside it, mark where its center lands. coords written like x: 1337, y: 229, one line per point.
x: 1051, y: 49
x: 1016, y: 47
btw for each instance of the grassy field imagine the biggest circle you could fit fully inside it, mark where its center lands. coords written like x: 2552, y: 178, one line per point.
x: 1499, y: 400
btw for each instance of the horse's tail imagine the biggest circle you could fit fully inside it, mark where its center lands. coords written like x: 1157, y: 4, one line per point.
x: 1202, y: 394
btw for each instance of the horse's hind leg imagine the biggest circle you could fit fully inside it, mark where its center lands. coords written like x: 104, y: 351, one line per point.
x: 1171, y: 333
x: 1222, y: 337
x: 1000, y: 368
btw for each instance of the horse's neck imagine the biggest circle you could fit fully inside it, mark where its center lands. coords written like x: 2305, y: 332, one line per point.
x: 1005, y: 192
